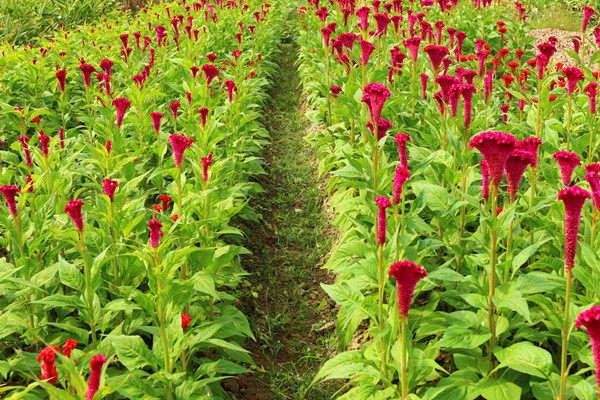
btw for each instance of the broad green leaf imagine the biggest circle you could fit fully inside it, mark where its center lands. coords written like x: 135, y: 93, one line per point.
x: 132, y: 351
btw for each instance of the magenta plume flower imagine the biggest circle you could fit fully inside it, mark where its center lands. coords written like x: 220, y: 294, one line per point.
x: 592, y: 90
x: 407, y: 275
x: 210, y: 73
x: 61, y: 76
x: 573, y: 75
x: 155, y: 232
x: 109, y: 188
x: 573, y: 197
x: 531, y: 145
x: 174, y: 106
x: 424, y: 78
x: 375, y: 95
x: 203, y: 114
x: 231, y: 87
x: 436, y: 55
x: 485, y: 180
x: 179, y: 144
x: 593, y: 179
x: 495, y: 147
x: 24, y: 140
x: 591, y: 320
x: 383, y: 203
x: 467, y: 91
x: 567, y: 162
x: 401, y: 139
x: 206, y: 162
x: 44, y: 140
x: 94, y: 382
x: 515, y: 166
x: 363, y: 14
x: 402, y: 175
x: 87, y: 70
x: 122, y: 104
x: 156, y: 117
x: 588, y: 13
x: 382, y: 128
x: 9, y: 192
x: 73, y: 208
x: 47, y: 356
x: 366, y: 50
x: 412, y: 44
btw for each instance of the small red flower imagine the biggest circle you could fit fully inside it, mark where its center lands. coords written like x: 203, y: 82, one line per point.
x: 68, y: 347
x: 156, y: 117
x: 109, y: 188
x: 47, y: 357
x: 155, y: 232
x: 94, y: 382
x: 185, y: 321
x: 179, y: 144
x: 402, y: 175
x: 122, y: 104
x: 9, y: 192
x: 495, y: 147
x: 164, y: 199
x: 383, y: 203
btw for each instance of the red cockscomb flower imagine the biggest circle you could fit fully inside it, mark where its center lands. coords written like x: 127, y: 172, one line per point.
x: 382, y: 128
x: 179, y: 144
x: 531, y: 145
x: 567, y: 162
x: 203, y: 114
x: 485, y: 180
x: 47, y: 357
x: 94, y: 382
x: 9, y: 192
x: 210, y: 73
x: 573, y: 75
x: 24, y: 140
x: 407, y: 275
x: 185, y: 321
x: 164, y: 199
x: 122, y: 104
x: 375, y: 95
x: 155, y: 232
x: 174, y: 106
x: 68, y: 347
x: 206, y: 162
x: 573, y: 197
x: 73, y: 208
x: 590, y: 318
x: 109, y: 188
x: 401, y: 140
x: 593, y: 179
x: 87, y: 70
x: 436, y: 55
x: 495, y: 148
x: 383, y: 203
x: 156, y: 117
x: 61, y: 75
x: 401, y: 176
x: 588, y: 12
x: 515, y: 166
x: 44, y: 140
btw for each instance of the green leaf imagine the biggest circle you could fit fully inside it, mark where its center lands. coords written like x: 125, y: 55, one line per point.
x: 498, y: 389
x: 525, y: 357
x: 457, y: 337
x: 132, y: 352
x: 70, y: 276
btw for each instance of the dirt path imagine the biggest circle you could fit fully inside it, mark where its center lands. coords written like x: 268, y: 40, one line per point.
x: 289, y: 312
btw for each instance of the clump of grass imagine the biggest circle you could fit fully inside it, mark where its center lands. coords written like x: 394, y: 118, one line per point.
x: 557, y: 16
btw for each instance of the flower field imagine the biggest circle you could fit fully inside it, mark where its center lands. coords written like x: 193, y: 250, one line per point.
x: 459, y: 161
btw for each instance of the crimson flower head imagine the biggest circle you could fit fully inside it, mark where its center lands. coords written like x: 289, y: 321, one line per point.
x: 531, y: 145
x: 401, y: 139
x: 516, y: 165
x: 375, y: 95
x: 436, y: 55
x: 87, y: 70
x: 44, y: 140
x: 335, y: 90
x: 206, y: 162
x: 495, y: 147
x: 122, y: 104
x: 567, y: 162
x: 401, y: 176
x: 547, y: 49
x: 203, y: 114
x: 68, y: 347
x: 194, y: 70
x: 591, y: 320
x: 210, y: 73
x: 94, y: 382
x: 383, y: 203
x: 231, y: 87
x: 174, y: 106
x: 382, y: 128
x: 573, y: 75
x: 593, y: 179
x: 446, y: 82
x: 47, y: 357
x: 407, y: 275
x: 24, y: 140
x: 9, y: 192
x: 588, y: 12
x: 73, y: 208
x: 109, y: 188
x: 412, y: 44
x: 366, y: 50
x: 185, y: 321
x: 211, y: 57
x: 363, y: 14
x: 573, y: 197
x: 156, y: 117
x: 106, y: 66
x: 592, y: 90
x: 164, y: 199
x: 485, y: 180
x: 179, y: 144
x: 155, y: 232
x: 61, y: 75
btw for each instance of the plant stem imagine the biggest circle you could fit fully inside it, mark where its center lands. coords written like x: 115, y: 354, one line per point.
x: 380, y: 293
x: 403, y: 381
x: 163, y: 329
x: 491, y: 316
x: 565, y: 341
x: 89, y: 294
x: 179, y: 209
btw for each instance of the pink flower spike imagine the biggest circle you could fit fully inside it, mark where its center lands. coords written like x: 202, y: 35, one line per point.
x: 531, y: 145
x: 9, y: 192
x: 203, y: 114
x: 383, y: 203
x: 206, y: 162
x: 109, y: 188
x: 495, y: 148
x: 375, y: 96
x: 179, y: 144
x: 174, y: 106
x: 366, y: 50
x: 73, y: 208
x: 94, y: 382
x: 185, y: 321
x: 590, y: 318
x: 156, y: 117
x: 567, y: 162
x: 573, y: 75
x: 402, y: 175
x: 210, y: 73
x: 407, y: 275
x: 155, y: 232
x: 383, y: 126
x: 87, y: 70
x: 592, y: 91
x: 436, y: 55
x: 594, y: 181
x: 412, y: 44
x: 516, y: 165
x: 573, y: 197
x: 24, y: 140
x: 588, y: 12
x: 485, y: 180
x: 122, y: 104
x: 424, y: 78
x: 401, y: 139
x: 61, y: 137
x: 44, y: 140
x: 61, y: 76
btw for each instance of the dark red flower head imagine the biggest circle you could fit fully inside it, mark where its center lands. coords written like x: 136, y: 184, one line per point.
x: 44, y: 140
x: 495, y: 147
x: 203, y: 114
x: 68, y: 347
x: 179, y: 144
x: 436, y: 55
x: 588, y: 12
x: 47, y: 356
x: 210, y: 73
x: 516, y: 165
x: 155, y: 232
x: 156, y: 117
x: 573, y: 197
x: 382, y: 128
x: 401, y: 176
x: 164, y: 199
x: 185, y: 321
x: 109, y: 188
x: 375, y: 96
x: 407, y: 275
x: 94, y: 383
x: 73, y: 208
x: 206, y: 162
x: 383, y: 203
x: 61, y: 76
x: 567, y: 162
x: 531, y: 145
x: 573, y: 75
x: 87, y: 71
x: 122, y: 104
x: 9, y: 192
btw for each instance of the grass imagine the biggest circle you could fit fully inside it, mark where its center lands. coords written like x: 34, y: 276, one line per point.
x: 555, y: 16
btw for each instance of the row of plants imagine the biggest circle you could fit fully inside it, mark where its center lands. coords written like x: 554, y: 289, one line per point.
x: 129, y: 150
x: 424, y: 108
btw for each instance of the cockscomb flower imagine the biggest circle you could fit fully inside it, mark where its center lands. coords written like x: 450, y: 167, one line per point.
x: 44, y: 140
x: 467, y: 91
x: 590, y: 318
x: 504, y: 108
x: 401, y: 140
x: 68, y: 347
x: 516, y: 165
x: 61, y: 137
x: 61, y: 76
x: 401, y: 176
x: 436, y: 55
x: 109, y: 187
x: 485, y: 180
x: 174, y: 106
x: 424, y: 78
x: 573, y: 75
x: 567, y: 162
x: 412, y: 44
x: 446, y: 82
x: 203, y: 114
x: 9, y: 192
x: 531, y: 145
x: 548, y: 50
x: 164, y: 199
x: 573, y: 197
x: 454, y: 95
x: 407, y: 275
x: 593, y: 179
x: 588, y: 12
x: 383, y: 203
x: 375, y: 95
x: 73, y: 208
x: 179, y: 144
x: 194, y: 70
x: 363, y: 14
x: 94, y: 382
x: 231, y: 87
x: 335, y: 90
x: 87, y: 70
x: 106, y: 66
x: 29, y: 183
x: 47, y: 356
x: 156, y: 117
x: 495, y: 148
x: 210, y: 73
x: 155, y: 232
x: 206, y: 162
x: 122, y: 104
x: 592, y: 91
x: 24, y: 140
x: 366, y: 50
x: 382, y: 128
x: 185, y: 321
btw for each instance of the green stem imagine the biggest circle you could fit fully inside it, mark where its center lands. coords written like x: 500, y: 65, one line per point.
x: 491, y: 315
x: 89, y: 294
x: 403, y: 380
x: 565, y: 341
x: 380, y: 292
